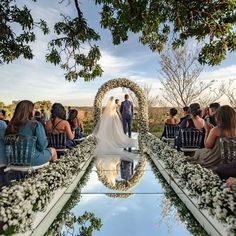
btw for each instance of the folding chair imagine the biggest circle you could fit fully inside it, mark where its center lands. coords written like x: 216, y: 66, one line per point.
x: 228, y: 149
x: 21, y: 153
x: 170, y: 132
x: 191, y: 139
x: 78, y: 136
x: 57, y: 141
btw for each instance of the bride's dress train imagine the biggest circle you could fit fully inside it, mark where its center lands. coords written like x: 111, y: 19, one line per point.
x: 109, y: 167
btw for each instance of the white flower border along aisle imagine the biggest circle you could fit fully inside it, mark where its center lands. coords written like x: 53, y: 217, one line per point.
x: 210, y: 191
x: 20, y: 201
x: 122, y: 82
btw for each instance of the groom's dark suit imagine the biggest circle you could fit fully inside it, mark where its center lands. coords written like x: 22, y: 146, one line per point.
x: 126, y: 169
x: 126, y: 110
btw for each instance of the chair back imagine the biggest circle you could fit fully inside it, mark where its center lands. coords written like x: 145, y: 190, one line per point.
x: 20, y: 149
x: 57, y: 140
x: 228, y: 149
x: 171, y: 130
x: 191, y: 138
x: 78, y: 134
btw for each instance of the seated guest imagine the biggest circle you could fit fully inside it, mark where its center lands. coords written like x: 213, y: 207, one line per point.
x: 59, y: 124
x: 186, y: 114
x: 75, y: 122
x: 44, y: 116
x: 3, y: 159
x: 231, y: 182
x: 227, y: 170
x: 37, y: 116
x: 3, y: 116
x: 206, y: 113
x: 22, y: 123
x: 210, y: 157
x: 68, y: 112
x: 212, y: 111
x: 172, y: 120
x: 193, y: 121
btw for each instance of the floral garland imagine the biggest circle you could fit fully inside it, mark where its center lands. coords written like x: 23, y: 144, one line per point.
x: 124, y: 185
x: 20, y: 201
x: 122, y: 82
x: 208, y: 188
x: 184, y: 214
x: 68, y: 218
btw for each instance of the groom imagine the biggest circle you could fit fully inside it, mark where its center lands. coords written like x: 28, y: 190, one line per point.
x: 126, y: 110
x: 126, y: 169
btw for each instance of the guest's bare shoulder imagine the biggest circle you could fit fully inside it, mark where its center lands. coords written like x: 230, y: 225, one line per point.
x: 216, y: 131
x: 48, y: 124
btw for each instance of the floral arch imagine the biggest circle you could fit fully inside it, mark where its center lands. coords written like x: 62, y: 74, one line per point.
x: 122, y: 82
x: 123, y: 185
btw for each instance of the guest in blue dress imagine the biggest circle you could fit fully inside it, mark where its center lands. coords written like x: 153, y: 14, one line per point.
x: 22, y: 124
x: 3, y: 159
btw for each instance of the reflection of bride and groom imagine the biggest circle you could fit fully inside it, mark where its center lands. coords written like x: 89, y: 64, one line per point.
x: 112, y: 140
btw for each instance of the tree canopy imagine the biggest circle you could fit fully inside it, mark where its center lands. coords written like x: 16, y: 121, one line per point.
x: 210, y: 22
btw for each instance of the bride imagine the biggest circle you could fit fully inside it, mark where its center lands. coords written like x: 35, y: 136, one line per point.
x: 109, y: 133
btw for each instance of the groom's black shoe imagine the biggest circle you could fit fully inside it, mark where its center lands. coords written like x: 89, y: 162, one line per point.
x: 129, y: 149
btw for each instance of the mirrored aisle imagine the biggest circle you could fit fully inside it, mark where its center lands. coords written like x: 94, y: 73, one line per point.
x: 122, y: 196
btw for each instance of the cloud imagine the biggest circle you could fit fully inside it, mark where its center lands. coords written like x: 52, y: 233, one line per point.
x: 111, y: 63
x: 117, y: 210
x: 224, y: 73
x: 151, y: 82
x: 93, y: 184
x: 115, y: 65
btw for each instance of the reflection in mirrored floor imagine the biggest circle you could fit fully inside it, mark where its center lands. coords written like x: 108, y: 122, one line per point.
x: 131, y: 204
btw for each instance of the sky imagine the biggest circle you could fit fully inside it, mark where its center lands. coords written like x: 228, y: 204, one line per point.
x: 147, y: 208
x: 37, y: 80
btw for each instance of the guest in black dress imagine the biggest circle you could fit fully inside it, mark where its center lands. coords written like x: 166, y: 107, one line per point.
x: 213, y: 108
x: 186, y: 114
x: 194, y: 121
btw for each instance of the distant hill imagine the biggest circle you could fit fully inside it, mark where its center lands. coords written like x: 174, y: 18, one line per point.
x: 156, y: 114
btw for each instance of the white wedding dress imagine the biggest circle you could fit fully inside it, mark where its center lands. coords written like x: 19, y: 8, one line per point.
x: 109, y: 168
x: 110, y: 135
